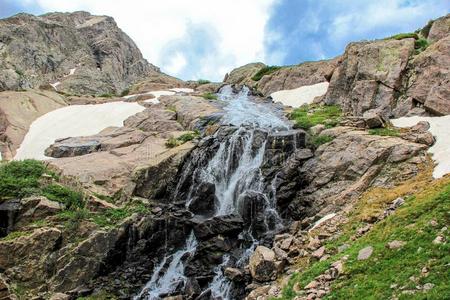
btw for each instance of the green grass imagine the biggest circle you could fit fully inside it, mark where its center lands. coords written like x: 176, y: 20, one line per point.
x: 209, y: 96
x: 71, y: 199
x: 174, y: 142
x: 20, y: 178
x: 107, y: 95
x: 318, y: 140
x: 15, y: 234
x: 421, y: 44
x: 372, y: 278
x: 308, y: 116
x: 203, y: 81
x: 172, y: 108
x: 265, y: 71
x: 384, y: 131
x: 402, y: 36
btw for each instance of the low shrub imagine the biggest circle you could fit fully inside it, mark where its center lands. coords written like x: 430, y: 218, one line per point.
x: 20, y: 178
x: 265, y: 71
x: 71, y: 199
x: 420, y: 45
x: 125, y: 92
x: 174, y: 142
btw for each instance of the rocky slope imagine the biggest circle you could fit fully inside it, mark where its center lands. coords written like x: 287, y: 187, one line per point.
x: 76, y: 53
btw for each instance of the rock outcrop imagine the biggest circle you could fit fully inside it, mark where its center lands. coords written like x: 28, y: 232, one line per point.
x: 18, y: 110
x: 76, y: 53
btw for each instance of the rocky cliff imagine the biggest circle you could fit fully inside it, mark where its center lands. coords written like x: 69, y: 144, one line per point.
x: 75, y: 53
x: 392, y: 77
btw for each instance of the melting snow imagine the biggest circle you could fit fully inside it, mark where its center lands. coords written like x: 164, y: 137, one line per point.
x: 70, y: 121
x: 182, y: 90
x: 322, y: 220
x: 439, y: 127
x: 157, y: 94
x: 54, y: 85
x: 302, y: 95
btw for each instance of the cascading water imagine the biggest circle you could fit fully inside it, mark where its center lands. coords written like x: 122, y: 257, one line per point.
x: 234, y: 172
x: 165, y: 281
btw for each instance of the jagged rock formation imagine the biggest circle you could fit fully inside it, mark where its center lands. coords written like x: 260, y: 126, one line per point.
x: 77, y: 53
x: 390, y: 77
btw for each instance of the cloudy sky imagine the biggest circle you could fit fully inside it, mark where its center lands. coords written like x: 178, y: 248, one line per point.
x: 194, y: 39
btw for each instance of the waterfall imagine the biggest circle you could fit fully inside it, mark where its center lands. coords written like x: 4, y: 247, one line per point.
x: 164, y: 282
x: 234, y: 171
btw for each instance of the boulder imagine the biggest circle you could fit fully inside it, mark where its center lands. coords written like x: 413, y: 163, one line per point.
x: 365, y: 253
x: 154, y: 120
x: 205, y: 202
x: 440, y: 28
x: 243, y: 75
x: 369, y: 75
x: 262, y: 264
x: 224, y: 225
x: 234, y: 274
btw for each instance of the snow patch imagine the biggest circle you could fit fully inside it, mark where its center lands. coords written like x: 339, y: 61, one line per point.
x: 182, y: 90
x: 302, y: 95
x: 72, y: 71
x: 70, y: 121
x: 322, y: 220
x: 54, y: 85
x: 439, y: 127
x: 157, y: 94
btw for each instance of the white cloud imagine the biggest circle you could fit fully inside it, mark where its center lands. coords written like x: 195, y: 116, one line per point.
x: 153, y: 25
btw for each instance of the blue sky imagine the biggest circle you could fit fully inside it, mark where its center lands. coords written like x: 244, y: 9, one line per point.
x: 207, y: 38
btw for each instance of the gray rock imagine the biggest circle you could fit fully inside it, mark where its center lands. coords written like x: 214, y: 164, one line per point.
x: 365, y: 253
x: 86, y: 54
x: 262, y: 264
x: 395, y: 244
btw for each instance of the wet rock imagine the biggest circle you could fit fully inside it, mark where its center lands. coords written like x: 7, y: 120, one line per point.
x: 205, y: 202
x: 262, y: 264
x: 234, y: 274
x: 365, y: 253
x: 225, y: 225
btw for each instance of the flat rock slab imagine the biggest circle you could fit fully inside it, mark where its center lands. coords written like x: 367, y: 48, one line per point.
x: 365, y: 253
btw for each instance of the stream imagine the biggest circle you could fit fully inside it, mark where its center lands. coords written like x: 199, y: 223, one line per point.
x: 221, y: 185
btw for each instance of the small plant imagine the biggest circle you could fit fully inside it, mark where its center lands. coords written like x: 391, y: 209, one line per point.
x: 318, y: 140
x: 308, y: 116
x: 265, y: 71
x: 203, y: 81
x: 19, y: 72
x: 209, y: 96
x: 420, y: 45
x: 172, y: 108
x: 73, y: 218
x: 125, y: 92
x: 174, y: 142
x: 110, y: 217
x: 71, y: 199
x: 384, y: 131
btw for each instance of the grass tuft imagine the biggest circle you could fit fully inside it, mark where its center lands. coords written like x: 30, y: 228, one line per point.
x: 209, y: 96
x: 384, y: 131
x: 308, y: 116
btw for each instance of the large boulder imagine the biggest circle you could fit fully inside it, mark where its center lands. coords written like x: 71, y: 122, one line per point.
x: 262, y: 264
x: 429, y: 83
x: 77, y: 53
x: 348, y: 165
x: 369, y: 75
x: 440, y: 28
